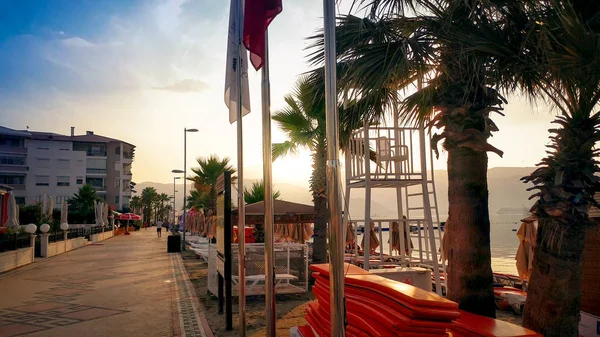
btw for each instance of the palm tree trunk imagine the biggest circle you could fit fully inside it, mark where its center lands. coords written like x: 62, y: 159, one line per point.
x: 318, y: 184
x: 554, y: 292
x: 469, y: 281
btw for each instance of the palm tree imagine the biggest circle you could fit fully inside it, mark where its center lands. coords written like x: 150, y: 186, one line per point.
x: 303, y: 121
x: 389, y: 52
x: 135, y: 203
x: 149, y: 195
x: 206, y: 175
x: 162, y: 198
x: 256, y: 193
x: 568, y: 38
x: 199, y: 199
x: 82, y: 202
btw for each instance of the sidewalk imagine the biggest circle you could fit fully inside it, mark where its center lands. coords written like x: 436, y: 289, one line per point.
x: 125, y: 286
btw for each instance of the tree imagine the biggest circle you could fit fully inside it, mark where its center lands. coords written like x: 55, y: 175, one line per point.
x: 256, y: 193
x: 136, y: 204
x: 303, y: 121
x: 206, y: 175
x: 81, y: 205
x: 569, y: 64
x: 163, y: 211
x: 456, y: 91
x: 148, y: 199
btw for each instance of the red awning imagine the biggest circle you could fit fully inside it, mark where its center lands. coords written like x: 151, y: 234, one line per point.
x: 128, y: 216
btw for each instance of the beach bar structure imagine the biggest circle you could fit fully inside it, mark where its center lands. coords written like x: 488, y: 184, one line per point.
x: 398, y: 158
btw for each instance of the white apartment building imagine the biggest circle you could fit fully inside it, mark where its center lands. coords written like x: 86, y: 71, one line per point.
x: 42, y: 163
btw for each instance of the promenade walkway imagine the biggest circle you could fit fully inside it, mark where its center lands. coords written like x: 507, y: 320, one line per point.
x: 124, y: 286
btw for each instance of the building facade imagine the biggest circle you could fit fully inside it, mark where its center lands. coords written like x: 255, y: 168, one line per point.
x: 35, y: 164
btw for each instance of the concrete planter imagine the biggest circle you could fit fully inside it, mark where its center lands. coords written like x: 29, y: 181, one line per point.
x: 16, y: 258
x: 101, y: 236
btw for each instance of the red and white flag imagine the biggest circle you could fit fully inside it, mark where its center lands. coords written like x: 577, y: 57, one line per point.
x: 258, y: 14
x: 235, y: 67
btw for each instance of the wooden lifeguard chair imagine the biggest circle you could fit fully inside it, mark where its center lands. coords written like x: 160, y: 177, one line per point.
x: 399, y: 158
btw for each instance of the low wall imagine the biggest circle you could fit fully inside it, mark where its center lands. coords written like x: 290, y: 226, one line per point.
x: 16, y: 258
x: 101, y: 236
x: 60, y: 247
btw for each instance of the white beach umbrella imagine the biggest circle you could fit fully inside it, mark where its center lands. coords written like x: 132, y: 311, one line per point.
x: 44, y: 205
x: 64, y: 213
x: 96, y: 211
x: 50, y: 207
x: 13, y: 212
x: 105, y: 215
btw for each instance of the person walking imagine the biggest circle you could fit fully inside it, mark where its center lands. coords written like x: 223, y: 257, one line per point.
x: 159, y: 225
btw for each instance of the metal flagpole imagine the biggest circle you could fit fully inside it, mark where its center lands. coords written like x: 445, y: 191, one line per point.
x: 240, y: 153
x: 336, y: 230
x: 268, y: 181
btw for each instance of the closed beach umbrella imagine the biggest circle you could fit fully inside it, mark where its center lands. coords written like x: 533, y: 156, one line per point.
x: 105, y: 215
x: 13, y: 212
x: 50, y: 207
x: 374, y: 241
x: 96, y: 211
x: 350, y: 236
x: 44, y: 205
x: 63, y: 213
x: 527, y: 236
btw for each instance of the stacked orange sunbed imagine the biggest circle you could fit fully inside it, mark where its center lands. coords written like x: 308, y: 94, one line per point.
x: 376, y: 306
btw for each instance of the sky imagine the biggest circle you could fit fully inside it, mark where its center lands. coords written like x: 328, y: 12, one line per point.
x: 143, y: 70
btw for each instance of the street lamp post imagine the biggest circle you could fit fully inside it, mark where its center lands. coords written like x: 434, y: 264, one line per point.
x: 174, y: 178
x: 175, y: 222
x: 185, y: 131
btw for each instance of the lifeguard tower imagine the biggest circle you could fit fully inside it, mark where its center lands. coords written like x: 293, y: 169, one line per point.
x: 399, y: 158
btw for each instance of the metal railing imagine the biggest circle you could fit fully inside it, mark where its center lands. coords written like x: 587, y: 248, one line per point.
x: 14, y: 241
x: 56, y: 236
x: 73, y: 233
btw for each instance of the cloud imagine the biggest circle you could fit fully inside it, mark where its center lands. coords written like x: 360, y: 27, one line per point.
x: 184, y: 86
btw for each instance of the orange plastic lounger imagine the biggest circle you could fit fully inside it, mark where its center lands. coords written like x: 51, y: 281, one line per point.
x: 474, y: 325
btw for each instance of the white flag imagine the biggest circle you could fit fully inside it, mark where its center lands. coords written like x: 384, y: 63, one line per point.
x: 234, y: 43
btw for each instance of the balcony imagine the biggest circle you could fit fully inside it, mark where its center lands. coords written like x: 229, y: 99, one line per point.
x: 17, y: 187
x: 99, y: 189
x: 95, y: 171
x: 10, y: 149
x: 91, y: 153
x: 13, y: 168
x: 127, y: 173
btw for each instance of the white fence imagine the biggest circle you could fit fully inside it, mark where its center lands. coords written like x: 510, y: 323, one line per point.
x: 291, y: 268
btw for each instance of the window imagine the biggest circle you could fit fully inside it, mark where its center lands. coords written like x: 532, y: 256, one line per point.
x: 10, y: 142
x: 12, y: 180
x: 43, y: 148
x: 63, y: 181
x: 118, y: 150
x: 117, y: 182
x: 79, y: 181
x: 12, y: 160
x: 63, y: 164
x: 96, y: 165
x: 20, y: 200
x: 42, y: 181
x: 61, y: 199
x: 117, y: 200
x: 97, y: 183
x: 63, y: 148
x: 42, y: 162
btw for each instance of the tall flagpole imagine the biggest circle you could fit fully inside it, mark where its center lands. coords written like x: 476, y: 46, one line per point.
x: 268, y: 181
x: 336, y: 230
x: 240, y: 177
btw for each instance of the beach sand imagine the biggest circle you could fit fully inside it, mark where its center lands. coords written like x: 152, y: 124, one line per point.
x: 290, y: 308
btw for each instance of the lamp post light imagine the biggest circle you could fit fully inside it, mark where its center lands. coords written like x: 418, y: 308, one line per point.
x: 175, y: 178
x: 185, y: 131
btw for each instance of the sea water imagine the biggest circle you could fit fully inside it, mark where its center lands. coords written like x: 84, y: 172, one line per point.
x: 504, y: 241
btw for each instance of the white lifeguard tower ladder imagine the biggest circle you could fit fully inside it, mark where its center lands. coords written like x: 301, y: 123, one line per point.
x: 401, y: 158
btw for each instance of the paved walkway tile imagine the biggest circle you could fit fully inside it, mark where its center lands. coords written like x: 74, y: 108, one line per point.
x: 124, y: 286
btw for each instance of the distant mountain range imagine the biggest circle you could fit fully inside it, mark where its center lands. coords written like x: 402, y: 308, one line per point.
x: 508, y: 195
